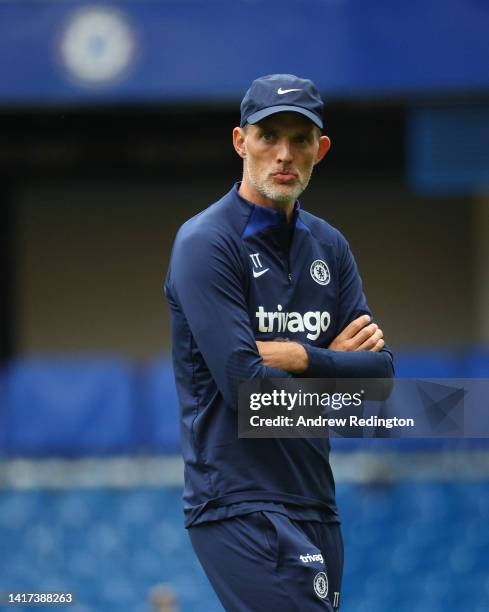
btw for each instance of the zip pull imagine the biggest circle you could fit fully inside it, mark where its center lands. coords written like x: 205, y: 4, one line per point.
x: 290, y: 277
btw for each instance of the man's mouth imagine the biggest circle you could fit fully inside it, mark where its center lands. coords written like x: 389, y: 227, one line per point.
x: 284, y: 177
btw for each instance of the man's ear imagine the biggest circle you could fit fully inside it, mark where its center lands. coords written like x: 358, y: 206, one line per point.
x: 324, y: 146
x: 239, y: 141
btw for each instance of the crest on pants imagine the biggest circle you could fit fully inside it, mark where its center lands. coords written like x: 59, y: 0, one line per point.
x: 321, y: 584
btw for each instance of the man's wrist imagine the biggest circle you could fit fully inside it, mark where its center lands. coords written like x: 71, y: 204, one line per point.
x: 301, y: 359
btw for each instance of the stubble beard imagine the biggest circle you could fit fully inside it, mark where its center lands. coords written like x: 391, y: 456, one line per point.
x: 281, y: 195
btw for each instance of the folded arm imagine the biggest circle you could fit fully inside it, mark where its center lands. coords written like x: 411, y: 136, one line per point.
x: 359, y: 336
x: 358, y: 350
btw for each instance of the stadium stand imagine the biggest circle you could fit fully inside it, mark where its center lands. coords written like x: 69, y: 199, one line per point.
x: 75, y: 517
x: 410, y: 546
x: 68, y: 407
x: 108, y: 406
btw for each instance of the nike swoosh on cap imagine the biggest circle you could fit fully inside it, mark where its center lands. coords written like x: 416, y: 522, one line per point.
x: 281, y: 91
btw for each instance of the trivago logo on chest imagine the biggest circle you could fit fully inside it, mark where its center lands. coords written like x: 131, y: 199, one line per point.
x: 313, y: 322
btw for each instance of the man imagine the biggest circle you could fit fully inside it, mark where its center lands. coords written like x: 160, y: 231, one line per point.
x: 247, y: 273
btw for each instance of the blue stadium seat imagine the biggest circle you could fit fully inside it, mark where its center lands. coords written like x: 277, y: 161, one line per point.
x: 96, y: 406
x: 475, y: 363
x: 157, y: 417
x: 411, y: 546
x: 3, y: 411
x: 427, y: 363
x: 69, y: 407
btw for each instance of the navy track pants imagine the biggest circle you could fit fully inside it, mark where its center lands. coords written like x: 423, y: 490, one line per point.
x: 266, y: 561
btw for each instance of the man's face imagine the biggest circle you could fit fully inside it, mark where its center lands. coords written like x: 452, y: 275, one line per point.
x: 280, y: 153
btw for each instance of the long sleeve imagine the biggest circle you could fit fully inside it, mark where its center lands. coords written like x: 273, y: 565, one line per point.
x: 205, y: 283
x: 352, y: 304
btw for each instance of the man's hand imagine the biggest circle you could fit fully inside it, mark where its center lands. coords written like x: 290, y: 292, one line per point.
x: 359, y: 335
x: 288, y: 356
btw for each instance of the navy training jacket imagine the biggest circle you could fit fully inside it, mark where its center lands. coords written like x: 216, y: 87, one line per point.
x: 239, y: 273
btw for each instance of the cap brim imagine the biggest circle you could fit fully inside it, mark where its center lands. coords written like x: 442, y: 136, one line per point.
x: 266, y: 112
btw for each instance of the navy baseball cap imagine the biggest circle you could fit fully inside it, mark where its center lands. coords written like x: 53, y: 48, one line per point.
x: 277, y: 93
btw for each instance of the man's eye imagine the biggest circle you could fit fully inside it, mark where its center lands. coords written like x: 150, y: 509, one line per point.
x: 302, y: 138
x: 268, y: 136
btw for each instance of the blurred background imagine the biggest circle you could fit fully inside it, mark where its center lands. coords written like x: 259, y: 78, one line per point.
x: 115, y: 127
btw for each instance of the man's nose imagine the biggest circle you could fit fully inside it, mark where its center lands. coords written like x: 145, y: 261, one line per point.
x: 284, y: 151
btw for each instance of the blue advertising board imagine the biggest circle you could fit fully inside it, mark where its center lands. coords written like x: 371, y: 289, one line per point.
x: 195, y: 50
